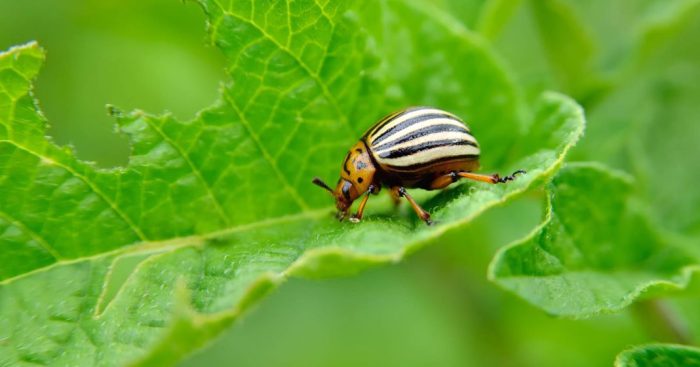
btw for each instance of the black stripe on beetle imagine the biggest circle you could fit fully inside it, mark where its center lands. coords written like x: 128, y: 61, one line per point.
x: 414, y: 149
x: 388, y: 119
x: 421, y: 166
x: 431, y: 129
x: 409, y: 122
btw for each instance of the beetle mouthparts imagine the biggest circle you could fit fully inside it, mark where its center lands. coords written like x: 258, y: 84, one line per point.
x: 340, y: 215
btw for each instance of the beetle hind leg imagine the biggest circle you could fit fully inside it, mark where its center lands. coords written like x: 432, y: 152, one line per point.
x: 395, y: 199
x: 510, y: 177
x: 445, y: 180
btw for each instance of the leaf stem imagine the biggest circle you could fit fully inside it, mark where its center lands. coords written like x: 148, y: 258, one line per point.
x: 661, y: 321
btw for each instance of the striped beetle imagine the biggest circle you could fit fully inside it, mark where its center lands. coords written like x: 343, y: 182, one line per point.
x: 419, y: 147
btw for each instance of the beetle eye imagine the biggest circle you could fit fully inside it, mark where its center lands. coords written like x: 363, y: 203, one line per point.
x: 346, y: 190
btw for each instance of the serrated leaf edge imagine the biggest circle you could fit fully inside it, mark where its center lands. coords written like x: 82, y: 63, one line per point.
x: 686, y: 273
x: 622, y: 359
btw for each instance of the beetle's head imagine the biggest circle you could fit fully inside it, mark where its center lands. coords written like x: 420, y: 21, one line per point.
x: 356, y: 177
x: 345, y: 194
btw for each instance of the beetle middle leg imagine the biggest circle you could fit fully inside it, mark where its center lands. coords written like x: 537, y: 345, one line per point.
x: 422, y: 214
x: 445, y: 180
x: 395, y: 198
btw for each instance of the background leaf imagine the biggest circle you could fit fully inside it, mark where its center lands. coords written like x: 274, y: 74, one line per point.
x: 659, y: 355
x: 569, y: 48
x: 132, y: 54
x: 646, y: 127
x: 595, y: 252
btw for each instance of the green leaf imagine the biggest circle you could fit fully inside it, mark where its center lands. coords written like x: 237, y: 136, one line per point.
x: 659, y: 355
x: 569, y: 48
x: 595, y: 252
x: 647, y: 127
x: 588, y: 49
x: 146, y: 263
x: 487, y: 17
x: 467, y: 11
x: 494, y: 16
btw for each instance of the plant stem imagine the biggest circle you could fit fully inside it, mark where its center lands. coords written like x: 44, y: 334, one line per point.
x: 661, y: 322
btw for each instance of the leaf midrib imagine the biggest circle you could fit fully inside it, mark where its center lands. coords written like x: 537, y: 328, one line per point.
x: 174, y: 243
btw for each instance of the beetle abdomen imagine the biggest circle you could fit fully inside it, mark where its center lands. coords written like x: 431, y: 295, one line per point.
x: 415, y: 139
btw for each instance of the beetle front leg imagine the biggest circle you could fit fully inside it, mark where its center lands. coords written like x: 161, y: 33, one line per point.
x: 422, y: 214
x: 357, y: 217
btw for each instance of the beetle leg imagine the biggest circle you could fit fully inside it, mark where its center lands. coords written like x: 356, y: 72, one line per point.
x: 494, y: 179
x: 358, y: 216
x: 422, y: 214
x: 395, y: 198
x: 445, y: 180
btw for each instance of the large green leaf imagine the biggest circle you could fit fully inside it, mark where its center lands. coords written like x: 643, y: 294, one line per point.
x: 487, y: 17
x: 145, y: 263
x: 596, y: 250
x: 589, y: 49
x: 569, y: 48
x: 647, y: 126
x: 659, y: 355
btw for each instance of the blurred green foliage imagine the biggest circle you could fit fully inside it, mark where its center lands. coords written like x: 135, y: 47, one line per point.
x: 632, y: 64
x: 149, y: 55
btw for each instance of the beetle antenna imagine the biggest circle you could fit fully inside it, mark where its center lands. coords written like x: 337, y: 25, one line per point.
x: 317, y: 181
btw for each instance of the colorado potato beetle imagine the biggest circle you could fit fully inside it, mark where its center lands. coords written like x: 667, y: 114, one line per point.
x: 418, y: 147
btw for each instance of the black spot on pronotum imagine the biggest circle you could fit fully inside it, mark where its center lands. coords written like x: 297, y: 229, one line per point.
x: 358, y: 150
x: 360, y: 180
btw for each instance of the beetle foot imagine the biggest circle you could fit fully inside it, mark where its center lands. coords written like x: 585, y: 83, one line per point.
x: 402, y: 192
x: 354, y: 219
x: 497, y: 179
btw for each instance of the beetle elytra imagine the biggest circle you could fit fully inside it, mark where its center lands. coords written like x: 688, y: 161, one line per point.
x: 418, y: 147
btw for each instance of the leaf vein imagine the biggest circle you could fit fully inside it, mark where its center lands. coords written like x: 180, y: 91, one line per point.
x: 37, y: 237
x: 171, y: 244
x: 266, y: 155
x: 88, y: 182
x: 195, y: 170
x: 316, y: 78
